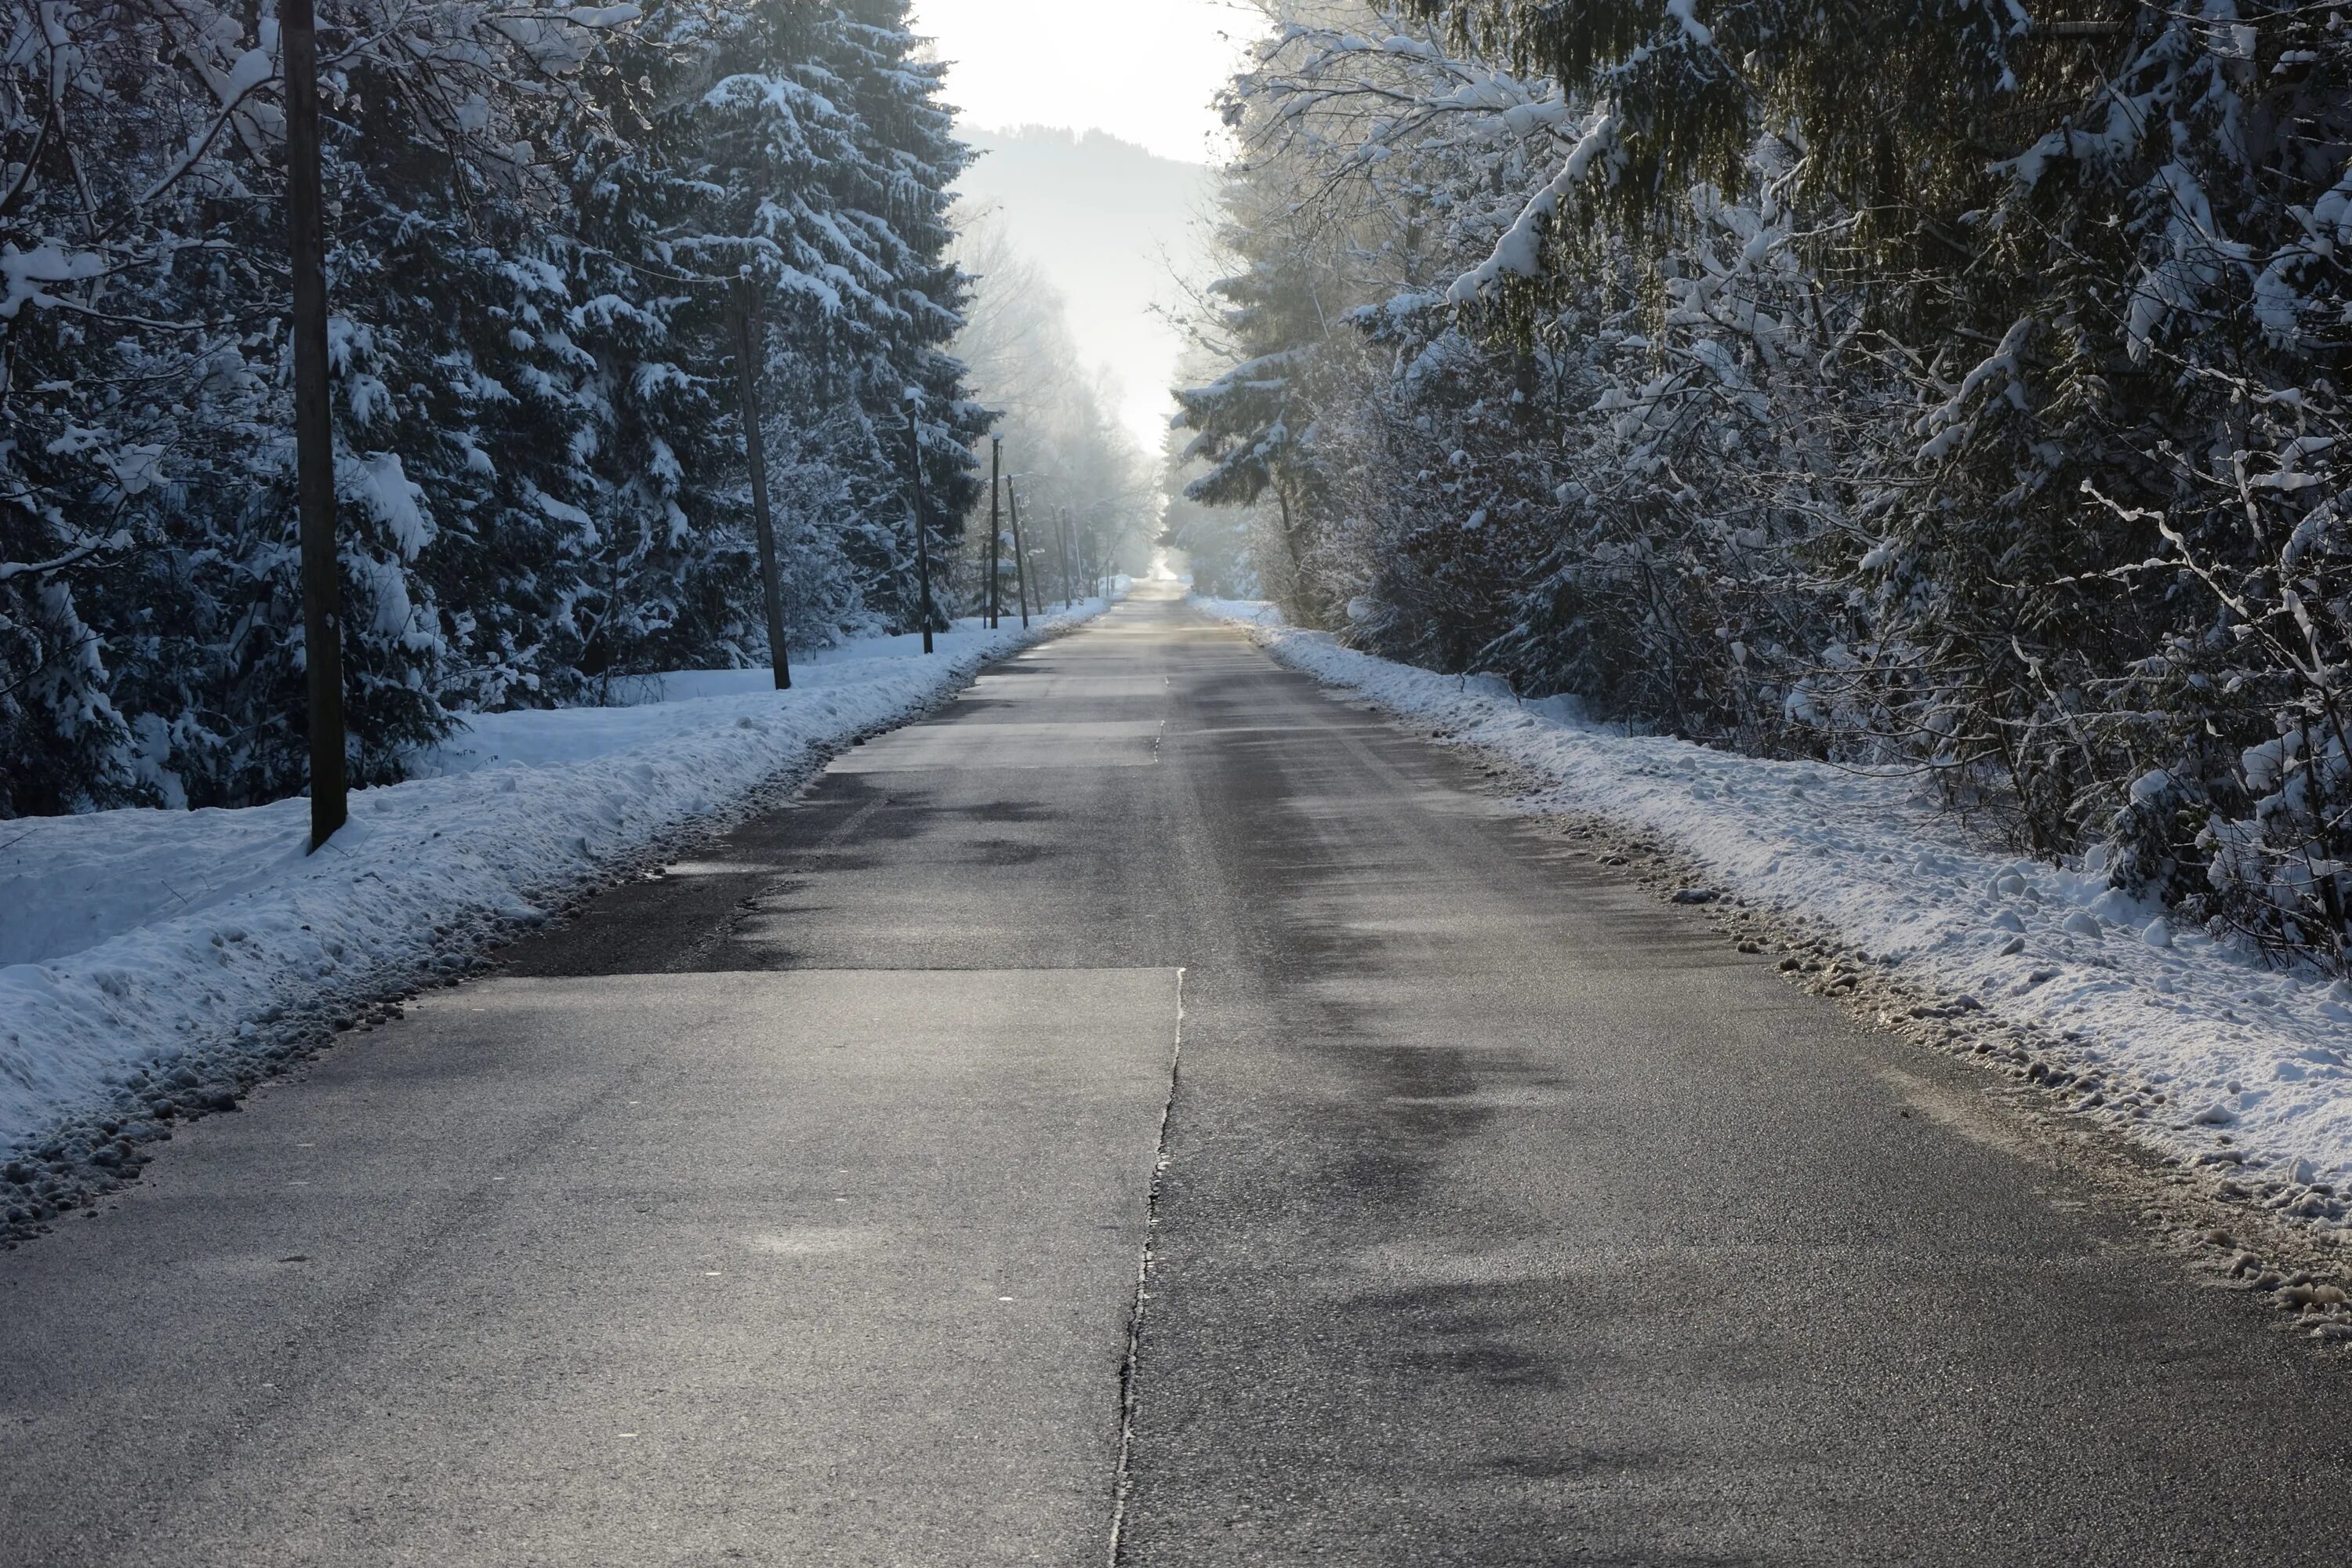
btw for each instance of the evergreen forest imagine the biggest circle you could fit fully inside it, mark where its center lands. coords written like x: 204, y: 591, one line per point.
x: 1953, y: 385
x: 537, y: 217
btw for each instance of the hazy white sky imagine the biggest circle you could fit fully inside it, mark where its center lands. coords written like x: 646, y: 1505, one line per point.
x: 1143, y: 70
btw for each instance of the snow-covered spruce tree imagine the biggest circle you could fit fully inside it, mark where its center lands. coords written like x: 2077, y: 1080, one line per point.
x: 149, y: 518
x: 802, y: 146
x: 895, y: 207
x: 459, y: 427
x: 1214, y: 541
x: 835, y: 155
x: 533, y: 215
x: 667, y: 572
x: 94, y: 214
x: 1252, y: 426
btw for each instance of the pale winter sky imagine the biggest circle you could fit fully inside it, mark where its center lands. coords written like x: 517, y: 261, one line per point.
x: 1141, y: 70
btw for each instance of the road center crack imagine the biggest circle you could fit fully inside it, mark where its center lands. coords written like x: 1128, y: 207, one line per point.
x: 1129, y: 1370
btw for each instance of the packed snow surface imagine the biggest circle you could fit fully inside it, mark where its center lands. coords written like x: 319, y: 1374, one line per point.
x: 128, y: 936
x: 2254, y: 1064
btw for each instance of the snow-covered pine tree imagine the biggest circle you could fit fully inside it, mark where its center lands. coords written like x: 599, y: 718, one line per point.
x: 153, y: 634
x: 534, y: 215
x: 896, y: 232
x: 667, y: 570
x: 802, y: 144
x: 1251, y: 428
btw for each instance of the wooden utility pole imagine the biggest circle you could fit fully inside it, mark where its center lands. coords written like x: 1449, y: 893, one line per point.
x: 996, y: 531
x: 922, y: 538
x: 1020, y: 557
x: 1061, y: 548
x: 314, y: 431
x: 749, y: 355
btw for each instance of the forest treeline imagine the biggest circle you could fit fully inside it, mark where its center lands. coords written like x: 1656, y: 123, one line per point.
x: 534, y: 215
x: 1953, y: 383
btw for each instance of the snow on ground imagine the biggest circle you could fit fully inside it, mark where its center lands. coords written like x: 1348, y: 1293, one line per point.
x: 133, y: 937
x: 2252, y: 1064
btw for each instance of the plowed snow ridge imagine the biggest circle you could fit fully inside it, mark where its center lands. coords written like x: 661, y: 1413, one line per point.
x: 129, y: 936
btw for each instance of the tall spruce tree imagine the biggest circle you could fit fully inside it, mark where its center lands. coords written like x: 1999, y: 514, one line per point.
x: 534, y: 216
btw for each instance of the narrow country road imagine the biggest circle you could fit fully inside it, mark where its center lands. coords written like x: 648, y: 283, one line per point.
x: 790, y: 1210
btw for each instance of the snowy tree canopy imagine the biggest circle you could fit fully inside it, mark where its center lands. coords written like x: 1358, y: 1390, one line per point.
x: 535, y: 214
x: 1950, y: 380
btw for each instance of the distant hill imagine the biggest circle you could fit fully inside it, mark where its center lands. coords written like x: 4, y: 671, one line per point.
x: 1104, y: 218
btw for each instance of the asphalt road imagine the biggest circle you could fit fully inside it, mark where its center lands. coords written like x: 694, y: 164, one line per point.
x: 790, y: 1209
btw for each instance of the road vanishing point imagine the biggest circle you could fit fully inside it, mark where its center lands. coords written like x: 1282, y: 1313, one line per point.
x: 1150, y: 1111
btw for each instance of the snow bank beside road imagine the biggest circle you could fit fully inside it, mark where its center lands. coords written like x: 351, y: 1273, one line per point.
x: 130, y: 937
x: 2185, y: 1041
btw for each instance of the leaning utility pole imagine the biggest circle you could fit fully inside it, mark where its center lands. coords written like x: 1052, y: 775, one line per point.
x: 1020, y: 559
x: 922, y: 541
x: 996, y: 531
x: 314, y: 432
x: 750, y: 354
